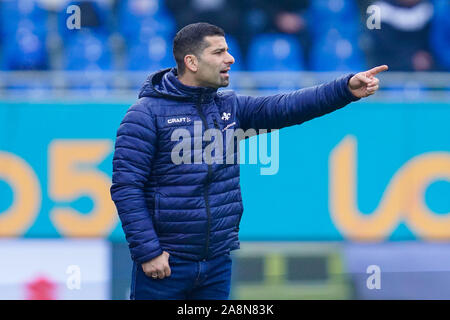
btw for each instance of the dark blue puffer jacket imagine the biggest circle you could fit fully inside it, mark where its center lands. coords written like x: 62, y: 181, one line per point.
x: 193, y: 210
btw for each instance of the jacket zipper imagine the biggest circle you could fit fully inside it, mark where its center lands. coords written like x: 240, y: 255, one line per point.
x: 208, y: 179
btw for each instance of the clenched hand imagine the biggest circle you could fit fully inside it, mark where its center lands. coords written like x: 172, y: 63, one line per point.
x: 157, y: 268
x: 364, y: 84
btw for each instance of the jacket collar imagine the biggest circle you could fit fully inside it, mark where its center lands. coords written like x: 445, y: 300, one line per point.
x: 165, y: 83
x: 205, y: 93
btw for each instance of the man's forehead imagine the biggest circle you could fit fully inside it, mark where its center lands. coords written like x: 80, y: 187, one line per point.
x: 215, y: 42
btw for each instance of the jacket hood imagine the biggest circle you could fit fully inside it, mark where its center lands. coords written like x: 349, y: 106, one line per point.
x: 164, y: 83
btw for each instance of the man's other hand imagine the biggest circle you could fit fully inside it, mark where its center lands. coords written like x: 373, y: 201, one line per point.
x: 364, y: 84
x: 157, y: 268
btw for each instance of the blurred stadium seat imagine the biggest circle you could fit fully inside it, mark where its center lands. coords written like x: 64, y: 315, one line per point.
x: 88, y: 51
x: 334, y: 52
x: 153, y: 54
x: 24, y: 35
x: 15, y: 14
x: 275, y: 52
x: 335, y: 30
x: 139, y: 19
x: 324, y: 15
x: 25, y: 50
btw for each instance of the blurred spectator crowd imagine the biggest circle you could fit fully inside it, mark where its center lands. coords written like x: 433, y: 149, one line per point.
x: 263, y: 35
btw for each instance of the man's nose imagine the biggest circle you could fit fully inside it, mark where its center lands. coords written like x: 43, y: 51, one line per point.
x: 229, y: 58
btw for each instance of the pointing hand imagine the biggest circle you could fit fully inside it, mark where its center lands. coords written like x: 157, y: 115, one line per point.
x: 364, y: 84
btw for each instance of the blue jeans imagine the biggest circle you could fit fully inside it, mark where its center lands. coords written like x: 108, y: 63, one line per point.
x: 189, y: 280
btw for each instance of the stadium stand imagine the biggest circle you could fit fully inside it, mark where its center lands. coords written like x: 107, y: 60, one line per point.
x: 152, y: 54
x: 146, y: 28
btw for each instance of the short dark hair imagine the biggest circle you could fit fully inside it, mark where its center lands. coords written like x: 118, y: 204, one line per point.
x: 190, y: 40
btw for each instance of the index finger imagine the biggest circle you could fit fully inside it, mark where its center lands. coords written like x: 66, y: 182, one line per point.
x: 378, y: 69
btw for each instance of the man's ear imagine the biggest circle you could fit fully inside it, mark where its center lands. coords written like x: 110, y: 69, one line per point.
x: 191, y: 62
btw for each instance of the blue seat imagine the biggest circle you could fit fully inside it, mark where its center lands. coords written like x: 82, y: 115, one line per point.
x: 88, y: 51
x: 15, y: 14
x: 150, y: 55
x: 23, y: 27
x: 160, y: 25
x: 143, y: 18
x: 25, y: 50
x: 334, y: 52
x: 324, y: 15
x: 440, y: 33
x: 275, y: 52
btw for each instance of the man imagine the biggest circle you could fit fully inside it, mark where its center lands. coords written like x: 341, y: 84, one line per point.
x: 181, y: 220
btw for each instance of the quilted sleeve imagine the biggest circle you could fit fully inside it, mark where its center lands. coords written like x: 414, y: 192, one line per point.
x: 133, y: 155
x: 283, y: 110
